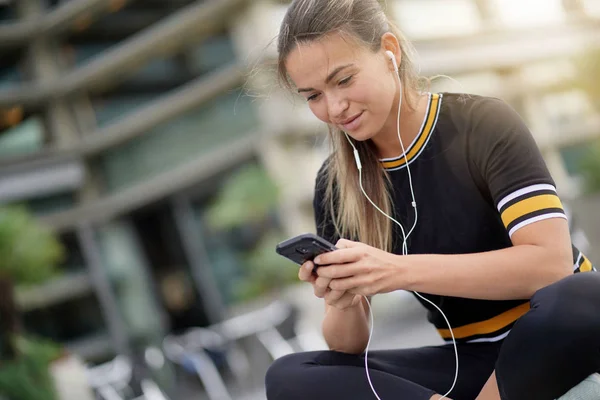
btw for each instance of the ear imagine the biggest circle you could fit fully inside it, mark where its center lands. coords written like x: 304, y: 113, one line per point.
x: 389, y: 42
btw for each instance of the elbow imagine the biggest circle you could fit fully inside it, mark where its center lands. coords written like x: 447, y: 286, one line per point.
x: 344, y: 342
x: 562, y: 263
x: 556, y: 266
x: 354, y: 348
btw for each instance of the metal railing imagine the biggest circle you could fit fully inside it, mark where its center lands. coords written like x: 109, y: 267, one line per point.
x: 112, y: 381
x: 209, y: 352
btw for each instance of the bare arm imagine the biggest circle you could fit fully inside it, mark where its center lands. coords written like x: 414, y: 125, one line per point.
x: 347, y: 330
x: 541, y: 255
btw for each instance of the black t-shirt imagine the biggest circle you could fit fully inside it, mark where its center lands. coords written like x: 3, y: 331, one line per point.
x: 478, y: 177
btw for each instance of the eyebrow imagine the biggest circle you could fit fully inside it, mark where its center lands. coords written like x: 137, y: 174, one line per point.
x: 329, y: 77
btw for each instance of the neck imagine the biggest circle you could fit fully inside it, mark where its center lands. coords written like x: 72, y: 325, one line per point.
x: 411, y: 119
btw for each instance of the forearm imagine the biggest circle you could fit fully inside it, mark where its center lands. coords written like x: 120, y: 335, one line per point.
x: 346, y: 330
x: 512, y: 273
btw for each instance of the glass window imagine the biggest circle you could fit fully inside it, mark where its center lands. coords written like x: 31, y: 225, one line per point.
x: 519, y: 13
x: 9, y: 77
x: 159, y: 76
x: 124, y: 19
x: 11, y: 71
x: 68, y: 321
x: 24, y: 138
x: 73, y: 260
x: 109, y: 109
x: 6, y: 12
x: 157, y: 69
x: 50, y: 4
x: 128, y: 271
x: 184, y: 138
x: 422, y: 19
x: 212, y: 53
x: 224, y: 252
x: 51, y: 204
x: 81, y: 54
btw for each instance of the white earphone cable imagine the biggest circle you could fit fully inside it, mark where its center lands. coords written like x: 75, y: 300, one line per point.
x: 404, y: 243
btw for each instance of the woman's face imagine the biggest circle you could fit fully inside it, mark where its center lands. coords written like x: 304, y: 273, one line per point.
x: 345, y: 84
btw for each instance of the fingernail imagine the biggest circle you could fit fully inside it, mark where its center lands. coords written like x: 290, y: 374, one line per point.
x: 317, y: 260
x: 308, y: 266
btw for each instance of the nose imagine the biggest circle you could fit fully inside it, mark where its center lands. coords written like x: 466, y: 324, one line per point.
x: 337, y: 105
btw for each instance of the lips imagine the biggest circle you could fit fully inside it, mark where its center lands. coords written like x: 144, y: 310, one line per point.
x: 352, y: 122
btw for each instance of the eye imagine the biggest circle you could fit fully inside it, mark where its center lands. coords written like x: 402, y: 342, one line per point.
x: 345, y: 81
x: 313, y: 97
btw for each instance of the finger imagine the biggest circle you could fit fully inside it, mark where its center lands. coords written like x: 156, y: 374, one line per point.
x: 321, y: 286
x: 305, y: 272
x: 339, y: 271
x: 346, y: 244
x: 347, y: 284
x: 340, y: 256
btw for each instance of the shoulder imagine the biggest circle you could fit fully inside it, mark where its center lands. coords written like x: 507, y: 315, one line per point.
x: 476, y: 109
x: 490, y: 121
x: 478, y: 118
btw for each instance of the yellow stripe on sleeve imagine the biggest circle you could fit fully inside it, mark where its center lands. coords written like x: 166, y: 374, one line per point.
x: 586, y: 265
x: 530, y: 205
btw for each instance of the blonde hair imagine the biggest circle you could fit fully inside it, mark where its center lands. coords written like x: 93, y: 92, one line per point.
x: 365, y: 22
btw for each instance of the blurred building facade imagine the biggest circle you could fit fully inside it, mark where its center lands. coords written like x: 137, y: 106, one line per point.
x: 119, y: 119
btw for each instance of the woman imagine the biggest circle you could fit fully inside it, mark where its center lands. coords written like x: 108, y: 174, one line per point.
x: 490, y: 247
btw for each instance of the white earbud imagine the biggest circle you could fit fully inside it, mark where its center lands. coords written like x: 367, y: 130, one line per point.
x: 393, y: 58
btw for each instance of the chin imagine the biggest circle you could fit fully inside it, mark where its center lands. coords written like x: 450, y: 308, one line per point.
x: 361, y: 135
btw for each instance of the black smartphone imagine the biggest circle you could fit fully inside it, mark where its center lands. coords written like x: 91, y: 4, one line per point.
x: 304, y: 248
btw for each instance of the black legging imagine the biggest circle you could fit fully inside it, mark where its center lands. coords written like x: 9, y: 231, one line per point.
x: 548, y: 351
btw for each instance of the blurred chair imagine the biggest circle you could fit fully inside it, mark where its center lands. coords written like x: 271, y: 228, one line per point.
x: 191, y: 352
x: 112, y: 380
x: 209, y: 352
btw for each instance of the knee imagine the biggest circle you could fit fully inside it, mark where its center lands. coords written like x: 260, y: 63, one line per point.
x: 282, y: 374
x: 571, y: 304
x: 279, y: 372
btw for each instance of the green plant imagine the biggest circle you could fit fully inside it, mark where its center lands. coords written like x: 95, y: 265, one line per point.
x: 28, y: 254
x: 266, y: 270
x: 590, y: 169
x: 248, y: 199
x: 27, y: 377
